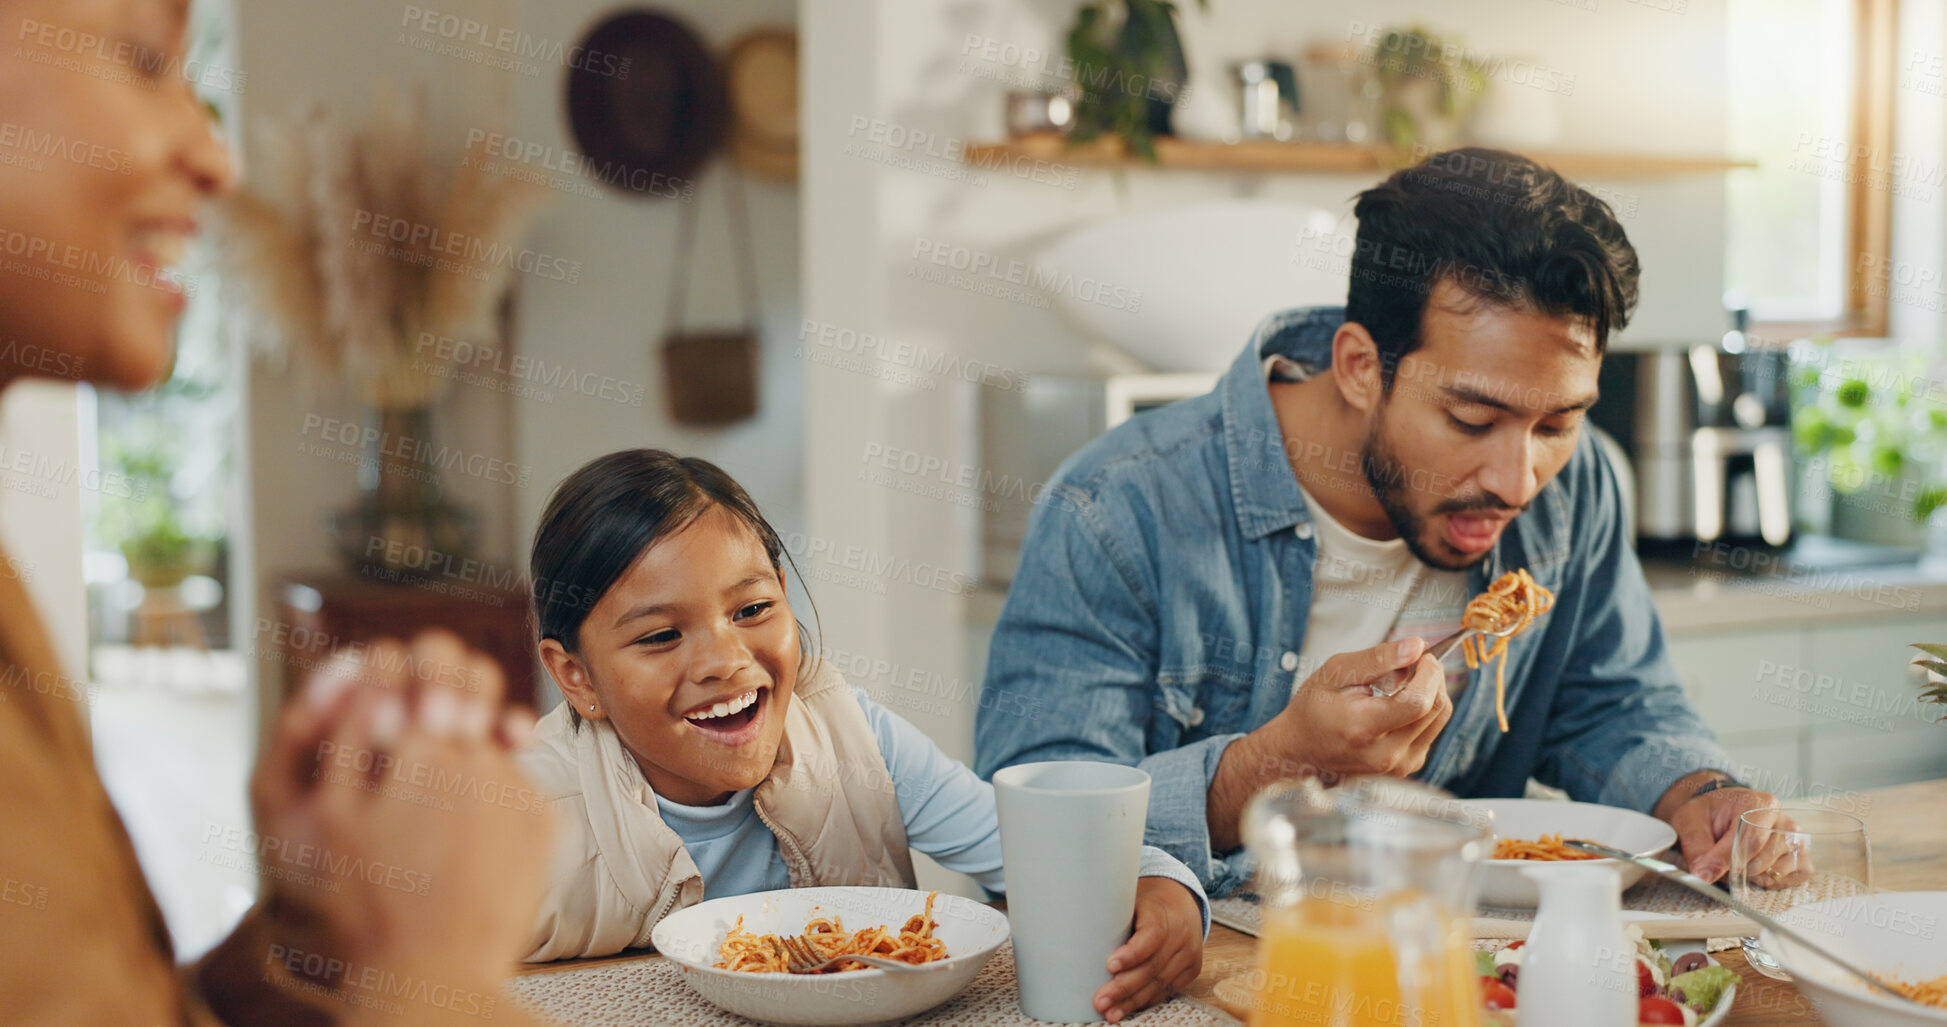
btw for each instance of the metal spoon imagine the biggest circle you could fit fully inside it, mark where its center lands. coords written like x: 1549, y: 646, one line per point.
x: 1396, y: 680
x: 1705, y: 888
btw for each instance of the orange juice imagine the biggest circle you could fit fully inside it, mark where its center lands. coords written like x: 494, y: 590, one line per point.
x: 1330, y: 963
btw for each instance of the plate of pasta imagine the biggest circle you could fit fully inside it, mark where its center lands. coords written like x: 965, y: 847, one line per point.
x: 1534, y: 832
x: 1893, y: 935
x: 730, y: 951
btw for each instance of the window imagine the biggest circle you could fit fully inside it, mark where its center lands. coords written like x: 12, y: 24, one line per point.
x: 1810, y: 94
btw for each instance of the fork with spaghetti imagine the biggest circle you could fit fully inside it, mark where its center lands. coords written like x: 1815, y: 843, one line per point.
x: 1505, y: 610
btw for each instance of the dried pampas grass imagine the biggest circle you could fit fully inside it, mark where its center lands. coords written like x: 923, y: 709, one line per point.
x: 353, y: 243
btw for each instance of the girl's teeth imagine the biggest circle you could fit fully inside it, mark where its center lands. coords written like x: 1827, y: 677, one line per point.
x: 726, y: 708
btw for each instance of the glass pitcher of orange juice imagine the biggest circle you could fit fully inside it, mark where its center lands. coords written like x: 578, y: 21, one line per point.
x: 1366, y: 889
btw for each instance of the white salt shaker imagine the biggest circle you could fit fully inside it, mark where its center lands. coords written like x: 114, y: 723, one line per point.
x: 1579, y: 967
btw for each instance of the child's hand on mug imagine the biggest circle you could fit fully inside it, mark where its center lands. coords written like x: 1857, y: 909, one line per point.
x: 1163, y: 955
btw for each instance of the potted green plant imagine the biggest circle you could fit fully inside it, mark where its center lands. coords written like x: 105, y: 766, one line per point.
x: 1427, y: 89
x: 1130, y: 69
x: 1935, y: 689
x: 161, y: 554
x: 1873, y: 424
x: 145, y: 520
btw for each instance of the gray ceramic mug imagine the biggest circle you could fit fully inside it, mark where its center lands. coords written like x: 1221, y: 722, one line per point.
x: 1071, y: 843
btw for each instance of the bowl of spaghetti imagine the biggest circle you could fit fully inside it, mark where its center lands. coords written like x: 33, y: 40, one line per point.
x: 1535, y: 832
x: 1896, y: 936
x: 730, y: 951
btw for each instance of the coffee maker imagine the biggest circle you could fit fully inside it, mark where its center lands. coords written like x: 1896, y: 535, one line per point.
x: 1710, y: 437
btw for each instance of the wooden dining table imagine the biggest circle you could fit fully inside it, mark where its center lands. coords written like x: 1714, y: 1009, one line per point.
x: 1907, y: 825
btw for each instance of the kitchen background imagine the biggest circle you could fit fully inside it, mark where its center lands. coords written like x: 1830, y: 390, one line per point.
x: 944, y: 307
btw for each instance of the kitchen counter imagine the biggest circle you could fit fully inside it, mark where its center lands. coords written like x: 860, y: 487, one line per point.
x: 1710, y: 595
x: 1697, y: 598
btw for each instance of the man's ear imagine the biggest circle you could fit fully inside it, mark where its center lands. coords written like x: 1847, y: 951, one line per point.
x: 1356, y: 365
x: 571, y: 676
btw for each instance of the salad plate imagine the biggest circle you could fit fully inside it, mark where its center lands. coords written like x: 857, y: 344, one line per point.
x: 1678, y: 981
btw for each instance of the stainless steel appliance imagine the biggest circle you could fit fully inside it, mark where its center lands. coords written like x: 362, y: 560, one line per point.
x: 1711, y: 439
x: 1025, y: 435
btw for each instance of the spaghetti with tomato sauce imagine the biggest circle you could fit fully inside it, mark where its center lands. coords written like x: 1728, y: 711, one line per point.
x: 1512, y: 602
x: 913, y: 943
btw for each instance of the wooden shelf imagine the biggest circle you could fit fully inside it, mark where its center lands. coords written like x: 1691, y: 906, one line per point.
x: 1315, y: 158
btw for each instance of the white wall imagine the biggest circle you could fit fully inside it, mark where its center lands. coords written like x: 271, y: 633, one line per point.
x: 612, y: 321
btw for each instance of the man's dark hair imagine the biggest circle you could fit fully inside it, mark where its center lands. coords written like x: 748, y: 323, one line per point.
x: 1500, y: 226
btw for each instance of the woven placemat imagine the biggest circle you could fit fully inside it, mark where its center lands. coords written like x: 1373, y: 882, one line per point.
x: 652, y: 992
x: 1650, y: 895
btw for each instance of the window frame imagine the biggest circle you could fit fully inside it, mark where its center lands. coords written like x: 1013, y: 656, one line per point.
x: 1869, y: 195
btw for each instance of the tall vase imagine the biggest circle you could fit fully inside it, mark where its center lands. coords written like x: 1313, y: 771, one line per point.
x: 402, y: 527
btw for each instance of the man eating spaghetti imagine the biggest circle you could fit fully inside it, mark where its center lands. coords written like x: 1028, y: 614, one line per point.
x: 1240, y: 587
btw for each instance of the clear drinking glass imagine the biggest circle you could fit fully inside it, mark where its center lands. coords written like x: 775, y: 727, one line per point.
x: 1807, y: 867
x: 1367, y: 890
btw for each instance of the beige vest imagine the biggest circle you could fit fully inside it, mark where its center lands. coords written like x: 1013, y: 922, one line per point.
x: 619, y: 869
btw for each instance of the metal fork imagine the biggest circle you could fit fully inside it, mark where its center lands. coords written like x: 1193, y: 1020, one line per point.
x: 1396, y: 680
x: 1704, y: 888
x: 801, y: 957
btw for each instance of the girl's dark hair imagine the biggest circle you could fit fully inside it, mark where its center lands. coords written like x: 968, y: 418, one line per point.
x: 603, y: 516
x: 1504, y: 228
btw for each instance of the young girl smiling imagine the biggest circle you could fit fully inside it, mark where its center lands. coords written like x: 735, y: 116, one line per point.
x: 700, y: 747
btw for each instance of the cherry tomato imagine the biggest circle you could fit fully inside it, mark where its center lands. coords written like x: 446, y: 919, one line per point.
x: 1645, y: 979
x: 1516, y: 945
x: 1658, y: 1010
x: 1495, y: 995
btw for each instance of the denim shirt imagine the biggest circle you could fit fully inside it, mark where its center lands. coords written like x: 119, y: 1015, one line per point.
x: 1162, y: 596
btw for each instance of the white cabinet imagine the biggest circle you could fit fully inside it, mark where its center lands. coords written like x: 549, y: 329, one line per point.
x: 1733, y: 678
x: 1870, y: 728
x: 1817, y: 707
x: 1856, y: 763
x: 1773, y: 761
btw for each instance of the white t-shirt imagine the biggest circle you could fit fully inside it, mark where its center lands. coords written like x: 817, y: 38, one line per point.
x: 1366, y: 591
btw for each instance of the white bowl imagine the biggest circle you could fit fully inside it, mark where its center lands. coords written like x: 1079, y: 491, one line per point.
x: 1503, y: 883
x: 693, y: 937
x: 1902, y: 934
x: 1201, y: 275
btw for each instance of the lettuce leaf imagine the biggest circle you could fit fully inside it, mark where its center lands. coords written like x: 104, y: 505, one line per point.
x: 1703, y: 987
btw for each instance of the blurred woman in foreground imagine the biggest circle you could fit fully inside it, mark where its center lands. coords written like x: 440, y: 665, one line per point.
x: 375, y: 909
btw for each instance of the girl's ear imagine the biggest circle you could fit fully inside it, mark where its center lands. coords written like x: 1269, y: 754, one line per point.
x: 571, y: 676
